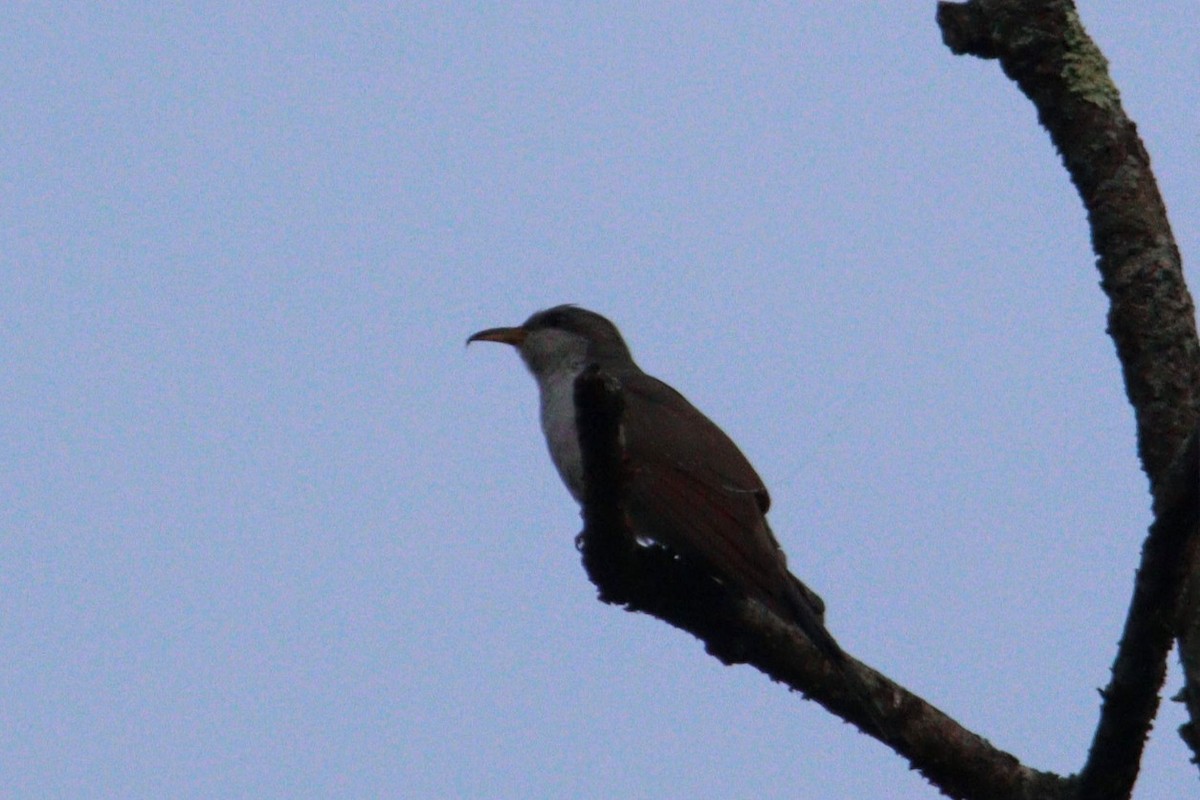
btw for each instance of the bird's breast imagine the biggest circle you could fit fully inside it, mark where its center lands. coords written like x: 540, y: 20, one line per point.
x: 557, y: 393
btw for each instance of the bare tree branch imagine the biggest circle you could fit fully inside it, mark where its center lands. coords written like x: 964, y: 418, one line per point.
x: 1043, y: 48
x: 1131, y: 698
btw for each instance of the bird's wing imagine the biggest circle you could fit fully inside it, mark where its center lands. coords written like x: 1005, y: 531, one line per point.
x: 692, y: 489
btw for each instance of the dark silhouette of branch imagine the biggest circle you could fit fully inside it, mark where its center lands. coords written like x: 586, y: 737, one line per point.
x: 1131, y: 697
x: 1043, y: 48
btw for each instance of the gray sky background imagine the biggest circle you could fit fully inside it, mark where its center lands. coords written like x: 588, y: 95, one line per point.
x: 270, y: 531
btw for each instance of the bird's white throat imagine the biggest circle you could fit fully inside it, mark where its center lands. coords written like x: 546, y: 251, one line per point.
x: 557, y: 391
x: 556, y: 357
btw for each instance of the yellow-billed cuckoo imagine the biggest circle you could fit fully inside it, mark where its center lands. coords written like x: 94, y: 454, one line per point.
x: 690, y: 488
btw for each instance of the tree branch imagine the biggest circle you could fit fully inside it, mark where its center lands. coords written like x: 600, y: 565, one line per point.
x: 1043, y: 48
x: 1131, y: 698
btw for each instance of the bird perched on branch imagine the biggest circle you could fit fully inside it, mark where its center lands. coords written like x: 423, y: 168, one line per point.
x: 689, y: 488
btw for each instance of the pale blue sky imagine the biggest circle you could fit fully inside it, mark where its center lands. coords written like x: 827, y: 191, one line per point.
x: 270, y: 531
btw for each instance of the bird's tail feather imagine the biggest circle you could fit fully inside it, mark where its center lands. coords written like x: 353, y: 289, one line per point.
x: 808, y: 612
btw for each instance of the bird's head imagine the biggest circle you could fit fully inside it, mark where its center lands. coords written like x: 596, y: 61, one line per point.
x: 563, y: 338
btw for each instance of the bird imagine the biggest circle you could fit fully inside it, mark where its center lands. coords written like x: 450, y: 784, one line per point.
x: 689, y: 488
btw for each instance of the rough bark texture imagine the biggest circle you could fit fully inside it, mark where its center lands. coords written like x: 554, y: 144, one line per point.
x: 1043, y: 48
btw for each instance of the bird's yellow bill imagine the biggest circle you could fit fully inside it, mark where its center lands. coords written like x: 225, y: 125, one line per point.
x: 513, y: 336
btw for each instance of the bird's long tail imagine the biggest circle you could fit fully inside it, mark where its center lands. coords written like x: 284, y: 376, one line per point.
x: 808, y: 612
